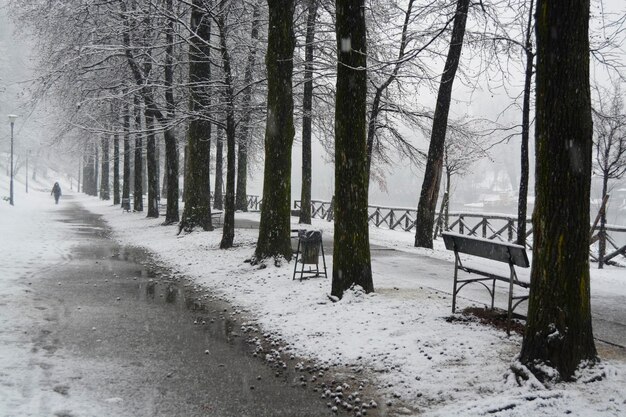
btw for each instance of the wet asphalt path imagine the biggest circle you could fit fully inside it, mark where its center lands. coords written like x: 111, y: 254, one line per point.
x: 119, y: 333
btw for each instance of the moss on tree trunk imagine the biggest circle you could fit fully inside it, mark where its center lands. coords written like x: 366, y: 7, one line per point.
x: 275, y: 230
x: 558, y: 330
x: 153, y: 172
x: 351, y: 253
x: 197, y: 178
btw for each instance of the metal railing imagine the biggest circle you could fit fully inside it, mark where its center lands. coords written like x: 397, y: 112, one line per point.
x: 493, y: 226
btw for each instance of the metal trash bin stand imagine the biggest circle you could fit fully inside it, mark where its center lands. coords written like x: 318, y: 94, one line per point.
x: 308, y: 253
x: 125, y: 204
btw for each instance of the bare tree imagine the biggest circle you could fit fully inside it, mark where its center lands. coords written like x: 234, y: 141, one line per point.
x: 434, y: 164
x: 464, y: 146
x: 610, y: 148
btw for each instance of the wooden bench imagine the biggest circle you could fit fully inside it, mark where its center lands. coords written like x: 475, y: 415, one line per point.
x: 216, y: 218
x: 511, y: 254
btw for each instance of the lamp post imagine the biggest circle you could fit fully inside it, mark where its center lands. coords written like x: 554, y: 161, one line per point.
x: 12, y: 118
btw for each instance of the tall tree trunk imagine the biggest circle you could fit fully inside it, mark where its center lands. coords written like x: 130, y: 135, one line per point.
x: 197, y: 210
x: 144, y: 169
x: 88, y: 170
x: 241, y: 199
x: 307, y: 108
x: 558, y: 330
x: 602, y: 231
x: 165, y: 175
x: 218, y: 197
x: 85, y: 163
x: 96, y: 168
x: 275, y: 229
x: 157, y: 156
x: 116, y: 169
x: 171, y: 172
x: 126, y: 175
x: 78, y: 182
x: 171, y: 145
x: 351, y: 253
x: 427, y: 205
x: 523, y: 186
x: 446, y: 215
x: 151, y: 167
x: 92, y: 174
x: 228, y: 231
x: 138, y: 190
x: 153, y: 174
x: 105, y: 193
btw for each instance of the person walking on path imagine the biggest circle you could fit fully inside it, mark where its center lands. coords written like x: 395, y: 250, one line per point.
x: 56, y: 190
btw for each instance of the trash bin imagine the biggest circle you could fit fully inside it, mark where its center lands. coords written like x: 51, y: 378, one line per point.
x: 310, y: 242
x: 126, y: 204
x: 308, y: 253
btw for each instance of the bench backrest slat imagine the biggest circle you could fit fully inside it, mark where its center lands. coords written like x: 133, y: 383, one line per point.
x: 497, y: 251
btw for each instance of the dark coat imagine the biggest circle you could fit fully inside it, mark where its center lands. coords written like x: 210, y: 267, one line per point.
x: 56, y: 190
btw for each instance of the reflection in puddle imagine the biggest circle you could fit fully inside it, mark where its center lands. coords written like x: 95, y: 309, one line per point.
x: 211, y: 315
x: 170, y: 294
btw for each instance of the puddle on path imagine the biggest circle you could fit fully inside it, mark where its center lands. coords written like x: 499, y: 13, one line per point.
x: 122, y: 305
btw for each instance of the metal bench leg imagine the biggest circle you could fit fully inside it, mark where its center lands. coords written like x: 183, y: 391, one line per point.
x: 510, y: 310
x: 456, y: 272
x: 295, y: 266
x: 323, y: 259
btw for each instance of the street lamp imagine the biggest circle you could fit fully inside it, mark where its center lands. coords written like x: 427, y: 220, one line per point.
x: 12, y: 118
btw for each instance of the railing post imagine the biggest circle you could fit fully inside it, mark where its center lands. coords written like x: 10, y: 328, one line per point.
x: 461, y: 228
x: 510, y: 229
x: 485, y: 222
x: 391, y: 219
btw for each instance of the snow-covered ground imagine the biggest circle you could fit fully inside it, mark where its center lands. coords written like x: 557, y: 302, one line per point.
x: 398, y: 336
